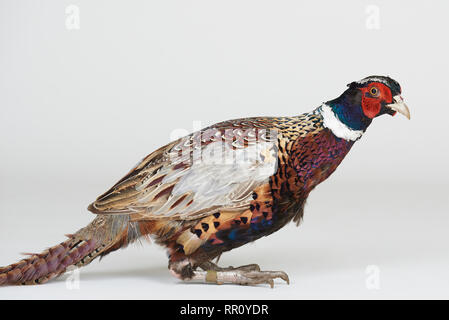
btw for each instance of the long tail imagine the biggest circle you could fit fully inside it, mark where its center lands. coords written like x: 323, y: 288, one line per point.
x: 102, y: 236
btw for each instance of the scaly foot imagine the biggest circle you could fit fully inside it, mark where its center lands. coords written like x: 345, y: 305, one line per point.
x: 244, y: 275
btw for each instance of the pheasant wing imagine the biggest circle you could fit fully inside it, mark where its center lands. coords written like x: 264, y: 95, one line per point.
x: 217, y: 167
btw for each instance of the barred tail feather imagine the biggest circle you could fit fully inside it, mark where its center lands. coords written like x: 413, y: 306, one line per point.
x: 103, y: 235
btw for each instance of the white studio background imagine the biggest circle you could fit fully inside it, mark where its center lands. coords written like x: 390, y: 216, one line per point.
x: 87, y: 88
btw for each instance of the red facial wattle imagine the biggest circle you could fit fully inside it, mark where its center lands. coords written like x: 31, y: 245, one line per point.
x: 372, y: 104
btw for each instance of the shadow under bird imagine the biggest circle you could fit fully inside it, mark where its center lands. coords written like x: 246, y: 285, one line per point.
x: 220, y: 188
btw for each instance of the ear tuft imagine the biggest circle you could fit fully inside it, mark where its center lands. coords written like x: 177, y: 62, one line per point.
x: 352, y: 84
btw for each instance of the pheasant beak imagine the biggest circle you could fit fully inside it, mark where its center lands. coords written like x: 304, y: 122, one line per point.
x: 399, y: 106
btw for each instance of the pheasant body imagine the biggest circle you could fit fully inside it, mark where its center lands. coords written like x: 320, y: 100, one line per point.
x: 220, y: 188
x: 304, y: 160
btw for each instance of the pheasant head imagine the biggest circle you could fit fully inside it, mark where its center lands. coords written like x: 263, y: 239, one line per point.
x: 351, y: 113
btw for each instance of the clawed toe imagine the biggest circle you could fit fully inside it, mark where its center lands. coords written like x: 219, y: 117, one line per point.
x: 245, y: 275
x: 258, y: 277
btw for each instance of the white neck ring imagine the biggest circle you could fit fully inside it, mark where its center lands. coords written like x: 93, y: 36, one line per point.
x: 338, y: 128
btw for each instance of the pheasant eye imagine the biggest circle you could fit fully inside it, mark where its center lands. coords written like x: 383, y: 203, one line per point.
x: 374, y: 91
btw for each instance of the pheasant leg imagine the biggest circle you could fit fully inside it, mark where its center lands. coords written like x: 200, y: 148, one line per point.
x: 244, y: 275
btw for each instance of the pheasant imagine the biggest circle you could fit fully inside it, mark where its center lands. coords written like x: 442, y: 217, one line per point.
x: 220, y: 188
